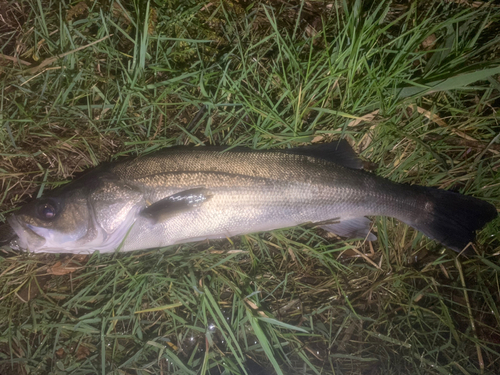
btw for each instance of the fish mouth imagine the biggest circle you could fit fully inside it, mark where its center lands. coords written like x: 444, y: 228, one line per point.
x: 26, y: 238
x: 7, y: 234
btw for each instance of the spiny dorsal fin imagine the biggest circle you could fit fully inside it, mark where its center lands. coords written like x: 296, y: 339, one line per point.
x: 338, y: 152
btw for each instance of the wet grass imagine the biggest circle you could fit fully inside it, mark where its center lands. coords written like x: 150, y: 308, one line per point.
x: 413, y: 86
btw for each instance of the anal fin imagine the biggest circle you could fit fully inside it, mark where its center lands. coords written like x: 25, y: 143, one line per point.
x: 358, y: 227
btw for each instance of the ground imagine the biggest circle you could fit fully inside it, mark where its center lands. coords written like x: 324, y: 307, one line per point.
x: 412, y: 85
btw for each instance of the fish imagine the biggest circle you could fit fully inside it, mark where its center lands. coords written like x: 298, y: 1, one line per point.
x: 186, y: 194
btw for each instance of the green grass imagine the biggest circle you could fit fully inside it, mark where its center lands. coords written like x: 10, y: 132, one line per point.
x: 261, y: 75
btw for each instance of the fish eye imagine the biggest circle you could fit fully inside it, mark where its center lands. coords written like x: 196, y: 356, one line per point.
x: 47, y: 210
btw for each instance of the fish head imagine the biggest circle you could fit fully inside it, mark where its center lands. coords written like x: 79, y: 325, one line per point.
x: 53, y: 222
x: 83, y: 217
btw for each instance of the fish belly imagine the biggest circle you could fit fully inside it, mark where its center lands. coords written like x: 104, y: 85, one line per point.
x: 243, y: 210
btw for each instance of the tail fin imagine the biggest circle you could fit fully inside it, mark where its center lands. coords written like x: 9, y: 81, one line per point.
x: 452, y: 218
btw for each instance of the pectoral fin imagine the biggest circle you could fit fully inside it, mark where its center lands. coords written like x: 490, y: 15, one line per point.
x: 175, y: 204
x: 358, y: 227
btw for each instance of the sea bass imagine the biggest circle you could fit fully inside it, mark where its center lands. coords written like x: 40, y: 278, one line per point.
x: 186, y: 194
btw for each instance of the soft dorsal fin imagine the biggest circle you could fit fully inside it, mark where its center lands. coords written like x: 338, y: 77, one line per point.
x: 338, y: 152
